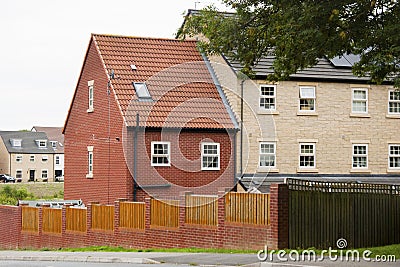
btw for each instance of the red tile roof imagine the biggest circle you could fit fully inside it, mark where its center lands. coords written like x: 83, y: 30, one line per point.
x: 181, y: 87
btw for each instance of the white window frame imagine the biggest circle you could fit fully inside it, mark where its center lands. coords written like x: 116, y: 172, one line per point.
x: 269, y: 97
x: 45, y: 158
x: 18, y: 158
x: 45, y: 174
x: 54, y: 144
x: 393, y: 156
x: 90, y: 157
x: 32, y: 158
x: 18, y: 173
x: 16, y: 142
x: 90, y: 96
x: 267, y: 154
x: 353, y: 100
x: 354, y: 155
x: 57, y: 160
x: 207, y: 155
x: 305, y: 154
x: 167, y: 155
x: 141, y: 90
x: 41, y: 143
x: 303, y: 96
x: 394, y: 101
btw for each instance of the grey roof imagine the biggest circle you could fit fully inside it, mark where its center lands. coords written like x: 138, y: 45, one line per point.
x: 336, y: 69
x: 54, y: 134
x: 28, y: 145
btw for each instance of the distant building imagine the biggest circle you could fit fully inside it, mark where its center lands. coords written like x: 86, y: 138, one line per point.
x: 26, y: 155
x: 56, y: 139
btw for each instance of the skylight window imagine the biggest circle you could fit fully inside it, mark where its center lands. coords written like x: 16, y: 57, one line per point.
x: 141, y: 90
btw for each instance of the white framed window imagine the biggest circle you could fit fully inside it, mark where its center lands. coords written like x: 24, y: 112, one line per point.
x: 307, y: 156
x: 394, y: 157
x: 44, y: 174
x: 90, y: 162
x: 307, y: 98
x: 53, y: 144
x: 90, y: 96
x: 359, y: 100
x: 41, y: 143
x: 160, y: 154
x: 32, y: 158
x: 16, y: 142
x: 268, y: 97
x: 210, y: 156
x: 360, y: 156
x: 18, y: 174
x: 267, y: 155
x: 394, y: 102
x: 18, y: 158
x: 57, y: 160
x: 141, y: 91
x: 45, y: 158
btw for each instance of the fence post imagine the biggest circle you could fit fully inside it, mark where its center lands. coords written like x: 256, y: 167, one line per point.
x: 221, y: 219
x: 147, y: 221
x: 279, y: 216
x: 116, y: 213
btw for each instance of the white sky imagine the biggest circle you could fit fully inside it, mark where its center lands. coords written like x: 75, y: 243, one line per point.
x: 43, y: 43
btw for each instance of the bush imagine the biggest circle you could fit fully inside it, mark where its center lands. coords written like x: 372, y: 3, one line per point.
x: 10, y: 196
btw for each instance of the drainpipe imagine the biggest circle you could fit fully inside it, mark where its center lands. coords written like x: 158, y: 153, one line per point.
x: 135, y: 137
x: 241, y: 127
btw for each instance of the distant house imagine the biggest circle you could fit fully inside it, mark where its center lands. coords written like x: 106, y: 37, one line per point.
x: 26, y: 155
x: 56, y: 139
x: 323, y: 123
x: 149, y: 117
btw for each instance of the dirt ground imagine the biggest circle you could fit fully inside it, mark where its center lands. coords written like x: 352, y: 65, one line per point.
x: 40, y: 189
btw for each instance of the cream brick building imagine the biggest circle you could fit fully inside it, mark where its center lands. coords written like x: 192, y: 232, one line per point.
x: 324, y: 123
x: 26, y: 155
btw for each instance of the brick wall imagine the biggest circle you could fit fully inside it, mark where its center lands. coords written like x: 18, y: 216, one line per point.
x: 224, y: 235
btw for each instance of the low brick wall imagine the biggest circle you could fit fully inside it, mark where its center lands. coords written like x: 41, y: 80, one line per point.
x: 224, y: 235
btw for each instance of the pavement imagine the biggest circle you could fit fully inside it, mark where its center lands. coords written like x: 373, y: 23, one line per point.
x: 194, y: 259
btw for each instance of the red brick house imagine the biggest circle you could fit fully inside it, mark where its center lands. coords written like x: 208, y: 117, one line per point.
x: 147, y: 110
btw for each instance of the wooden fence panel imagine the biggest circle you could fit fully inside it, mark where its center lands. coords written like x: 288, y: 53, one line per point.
x: 164, y: 213
x: 132, y: 215
x: 320, y: 213
x: 76, y: 219
x: 52, y: 220
x: 30, y: 219
x: 247, y: 208
x: 201, y: 210
x: 103, y: 217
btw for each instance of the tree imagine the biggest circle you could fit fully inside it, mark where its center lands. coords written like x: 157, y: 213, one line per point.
x: 299, y: 32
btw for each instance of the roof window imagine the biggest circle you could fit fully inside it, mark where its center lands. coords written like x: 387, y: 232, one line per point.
x: 141, y: 91
x: 16, y: 142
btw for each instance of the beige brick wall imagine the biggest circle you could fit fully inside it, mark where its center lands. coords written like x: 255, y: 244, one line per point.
x: 332, y: 127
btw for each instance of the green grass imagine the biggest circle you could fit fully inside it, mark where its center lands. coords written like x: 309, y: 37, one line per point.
x: 384, y: 250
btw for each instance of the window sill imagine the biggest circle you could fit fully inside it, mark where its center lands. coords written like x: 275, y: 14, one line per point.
x: 307, y: 113
x: 393, y: 170
x: 164, y: 165
x: 267, y: 169
x: 393, y: 116
x: 90, y: 110
x: 267, y: 112
x: 360, y: 115
x: 307, y: 170
x: 89, y: 176
x: 360, y: 171
x: 216, y: 169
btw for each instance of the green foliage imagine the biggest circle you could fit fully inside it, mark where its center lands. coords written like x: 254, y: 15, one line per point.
x: 10, y: 195
x: 299, y: 32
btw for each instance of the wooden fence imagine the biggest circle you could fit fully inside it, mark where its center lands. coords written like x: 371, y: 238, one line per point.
x: 247, y: 208
x: 164, y: 213
x: 201, y: 210
x: 30, y: 219
x: 132, y: 215
x: 52, y: 220
x: 103, y: 217
x: 76, y: 219
x: 320, y: 213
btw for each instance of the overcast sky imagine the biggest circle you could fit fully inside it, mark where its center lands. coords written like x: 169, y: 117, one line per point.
x: 43, y: 43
